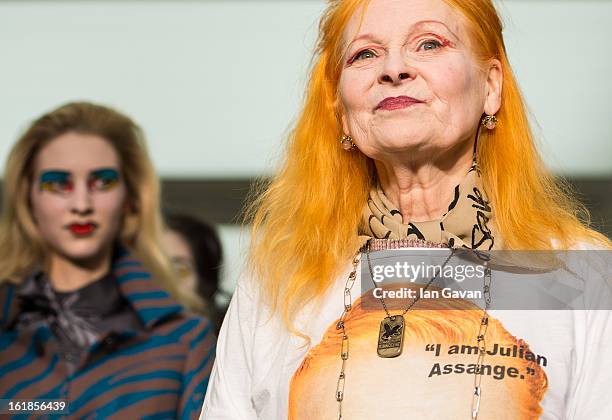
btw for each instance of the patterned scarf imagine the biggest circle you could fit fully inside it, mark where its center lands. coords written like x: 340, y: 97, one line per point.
x: 466, y: 224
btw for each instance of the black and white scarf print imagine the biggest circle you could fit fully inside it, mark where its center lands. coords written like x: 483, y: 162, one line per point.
x: 466, y: 224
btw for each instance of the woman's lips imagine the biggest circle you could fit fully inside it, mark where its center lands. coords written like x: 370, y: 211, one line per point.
x: 397, y: 102
x: 81, y: 229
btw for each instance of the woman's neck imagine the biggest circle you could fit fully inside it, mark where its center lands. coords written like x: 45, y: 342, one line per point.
x: 67, y: 275
x: 422, y: 191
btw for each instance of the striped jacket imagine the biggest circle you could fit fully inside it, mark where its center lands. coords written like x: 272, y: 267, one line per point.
x: 160, y: 372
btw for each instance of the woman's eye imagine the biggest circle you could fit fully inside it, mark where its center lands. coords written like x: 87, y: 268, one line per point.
x: 365, y: 54
x: 429, y: 45
x: 56, y: 181
x: 183, y: 268
x: 103, y: 179
x: 56, y: 186
x: 102, y: 183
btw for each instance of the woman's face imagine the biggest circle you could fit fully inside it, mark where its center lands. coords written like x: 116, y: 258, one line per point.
x: 409, y: 81
x: 78, y: 196
x: 182, y: 259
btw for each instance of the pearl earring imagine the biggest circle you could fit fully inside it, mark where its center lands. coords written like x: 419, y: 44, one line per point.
x: 489, y: 121
x: 347, y: 143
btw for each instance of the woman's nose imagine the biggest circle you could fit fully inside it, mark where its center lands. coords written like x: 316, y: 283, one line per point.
x: 81, y: 203
x: 396, y: 69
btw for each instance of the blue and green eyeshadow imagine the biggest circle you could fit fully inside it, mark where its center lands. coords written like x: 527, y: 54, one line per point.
x: 56, y: 181
x: 103, y: 179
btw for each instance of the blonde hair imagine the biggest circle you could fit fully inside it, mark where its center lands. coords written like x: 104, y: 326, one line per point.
x: 21, y: 246
x: 305, y: 222
x: 445, y: 321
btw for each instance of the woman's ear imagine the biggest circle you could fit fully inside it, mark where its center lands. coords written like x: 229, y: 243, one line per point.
x: 345, y: 127
x: 493, y: 89
x: 341, y: 116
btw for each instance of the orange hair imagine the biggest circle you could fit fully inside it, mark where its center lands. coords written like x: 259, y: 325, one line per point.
x: 305, y: 222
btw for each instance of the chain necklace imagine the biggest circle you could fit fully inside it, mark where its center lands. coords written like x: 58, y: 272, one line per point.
x: 391, y: 333
x: 344, y: 352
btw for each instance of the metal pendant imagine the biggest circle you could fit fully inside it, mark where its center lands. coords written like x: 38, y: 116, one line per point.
x: 391, y: 336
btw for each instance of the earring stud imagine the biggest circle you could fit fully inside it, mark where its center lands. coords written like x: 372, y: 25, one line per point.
x: 489, y: 121
x: 347, y: 143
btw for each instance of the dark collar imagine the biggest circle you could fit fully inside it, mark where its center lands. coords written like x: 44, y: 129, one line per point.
x: 135, y: 284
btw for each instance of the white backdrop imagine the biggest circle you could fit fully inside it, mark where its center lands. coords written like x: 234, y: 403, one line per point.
x: 216, y: 84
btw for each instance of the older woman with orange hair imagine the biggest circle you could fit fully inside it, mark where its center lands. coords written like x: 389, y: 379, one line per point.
x: 413, y: 135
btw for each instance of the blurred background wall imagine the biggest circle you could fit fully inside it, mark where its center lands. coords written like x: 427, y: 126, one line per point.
x: 217, y: 84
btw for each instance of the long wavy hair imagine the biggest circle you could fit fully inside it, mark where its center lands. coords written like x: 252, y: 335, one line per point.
x: 305, y: 221
x: 21, y: 246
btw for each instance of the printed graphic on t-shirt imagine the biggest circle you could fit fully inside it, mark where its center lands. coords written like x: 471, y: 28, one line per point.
x: 434, y: 375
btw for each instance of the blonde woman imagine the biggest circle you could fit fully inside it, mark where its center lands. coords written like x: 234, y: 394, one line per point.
x: 85, y: 317
x: 413, y: 136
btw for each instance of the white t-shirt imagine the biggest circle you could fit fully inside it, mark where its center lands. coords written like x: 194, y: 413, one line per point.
x: 554, y: 364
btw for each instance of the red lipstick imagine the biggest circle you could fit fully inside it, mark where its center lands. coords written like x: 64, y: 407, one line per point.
x: 82, y: 229
x: 397, y: 102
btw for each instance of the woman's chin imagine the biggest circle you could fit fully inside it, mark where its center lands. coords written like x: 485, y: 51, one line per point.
x: 85, y: 252
x: 404, y: 147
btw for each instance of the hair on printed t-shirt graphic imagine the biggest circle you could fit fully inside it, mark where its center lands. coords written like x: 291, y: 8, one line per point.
x: 432, y: 378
